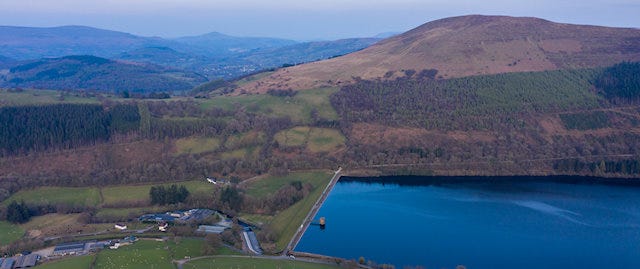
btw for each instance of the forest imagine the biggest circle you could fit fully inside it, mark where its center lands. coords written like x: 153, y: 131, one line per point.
x: 63, y: 126
x: 469, y: 103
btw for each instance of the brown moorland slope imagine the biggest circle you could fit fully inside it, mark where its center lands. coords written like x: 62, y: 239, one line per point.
x: 465, y: 46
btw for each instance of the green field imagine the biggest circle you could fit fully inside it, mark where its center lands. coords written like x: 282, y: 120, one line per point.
x: 185, y: 247
x: 298, y: 107
x: 296, y: 136
x: 247, y: 153
x: 196, y: 145
x: 251, y: 263
x: 9, y: 233
x: 325, y: 140
x: 244, y: 139
x: 79, y: 262
x: 286, y: 222
x: 316, y: 139
x: 38, y: 97
x: 142, y: 254
x: 115, y: 194
x: 57, y: 195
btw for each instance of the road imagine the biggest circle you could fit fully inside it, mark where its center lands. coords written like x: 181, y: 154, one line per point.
x: 312, y: 213
x: 181, y: 262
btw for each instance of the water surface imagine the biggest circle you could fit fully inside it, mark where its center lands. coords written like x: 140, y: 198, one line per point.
x: 504, y: 224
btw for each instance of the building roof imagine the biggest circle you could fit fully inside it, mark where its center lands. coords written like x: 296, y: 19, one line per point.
x: 7, y: 263
x: 69, y: 247
x: 26, y: 261
x: 211, y: 229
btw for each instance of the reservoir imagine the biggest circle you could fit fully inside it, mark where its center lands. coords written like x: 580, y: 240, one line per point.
x: 518, y: 222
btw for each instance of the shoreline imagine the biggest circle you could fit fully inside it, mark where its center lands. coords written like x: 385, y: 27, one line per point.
x: 413, y: 180
x: 312, y: 213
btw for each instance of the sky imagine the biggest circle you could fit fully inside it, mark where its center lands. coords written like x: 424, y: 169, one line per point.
x: 298, y: 19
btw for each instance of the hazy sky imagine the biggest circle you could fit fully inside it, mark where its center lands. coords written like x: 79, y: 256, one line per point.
x: 298, y: 19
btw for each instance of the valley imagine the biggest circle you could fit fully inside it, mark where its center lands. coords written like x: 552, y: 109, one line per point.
x: 488, y: 96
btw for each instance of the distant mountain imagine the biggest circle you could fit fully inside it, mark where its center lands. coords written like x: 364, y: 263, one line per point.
x: 238, y: 64
x: 6, y: 61
x: 308, y: 51
x: 216, y: 44
x: 165, y: 56
x: 24, y: 43
x: 466, y: 46
x: 214, y: 55
x: 90, y: 72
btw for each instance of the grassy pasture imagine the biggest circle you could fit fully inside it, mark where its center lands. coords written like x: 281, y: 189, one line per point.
x: 316, y: 139
x: 79, y: 262
x: 296, y: 136
x: 325, y: 140
x: 184, y: 247
x: 248, y: 138
x: 251, y: 263
x: 41, y: 97
x: 142, y: 254
x: 298, y: 107
x: 9, y: 233
x: 57, y: 195
x: 115, y: 194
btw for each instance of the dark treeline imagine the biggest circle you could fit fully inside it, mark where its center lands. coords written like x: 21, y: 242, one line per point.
x: 620, y: 81
x: 37, y: 128
x: 624, y: 167
x: 585, y: 121
x: 161, y: 195
x: 282, y: 93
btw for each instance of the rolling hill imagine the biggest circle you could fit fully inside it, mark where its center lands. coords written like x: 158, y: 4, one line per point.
x: 26, y: 43
x: 215, y: 44
x: 465, y: 46
x: 232, y: 64
x: 90, y: 72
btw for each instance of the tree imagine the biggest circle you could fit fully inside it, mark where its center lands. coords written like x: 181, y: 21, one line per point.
x: 212, y: 242
x: 18, y: 212
x: 161, y: 196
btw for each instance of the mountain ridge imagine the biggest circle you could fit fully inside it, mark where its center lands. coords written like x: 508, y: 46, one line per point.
x: 465, y: 46
x: 96, y: 73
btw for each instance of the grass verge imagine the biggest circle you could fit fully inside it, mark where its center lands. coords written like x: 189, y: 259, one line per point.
x: 9, y: 232
x: 251, y: 263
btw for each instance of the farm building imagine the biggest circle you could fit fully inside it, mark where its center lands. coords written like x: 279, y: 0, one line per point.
x: 211, y: 229
x: 26, y: 261
x: 120, y: 226
x: 7, y: 263
x: 72, y: 248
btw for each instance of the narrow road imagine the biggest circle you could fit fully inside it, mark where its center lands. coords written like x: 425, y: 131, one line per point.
x: 312, y: 213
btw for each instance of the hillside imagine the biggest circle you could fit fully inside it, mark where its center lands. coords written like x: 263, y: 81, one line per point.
x: 469, y: 45
x: 215, y: 44
x: 90, y: 72
x: 307, y: 51
x: 25, y: 43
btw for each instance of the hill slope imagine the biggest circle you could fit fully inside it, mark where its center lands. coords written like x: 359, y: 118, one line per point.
x: 469, y: 45
x: 90, y: 72
x: 216, y: 44
x: 24, y: 43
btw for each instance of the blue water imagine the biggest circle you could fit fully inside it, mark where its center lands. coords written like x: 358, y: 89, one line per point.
x: 481, y: 225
